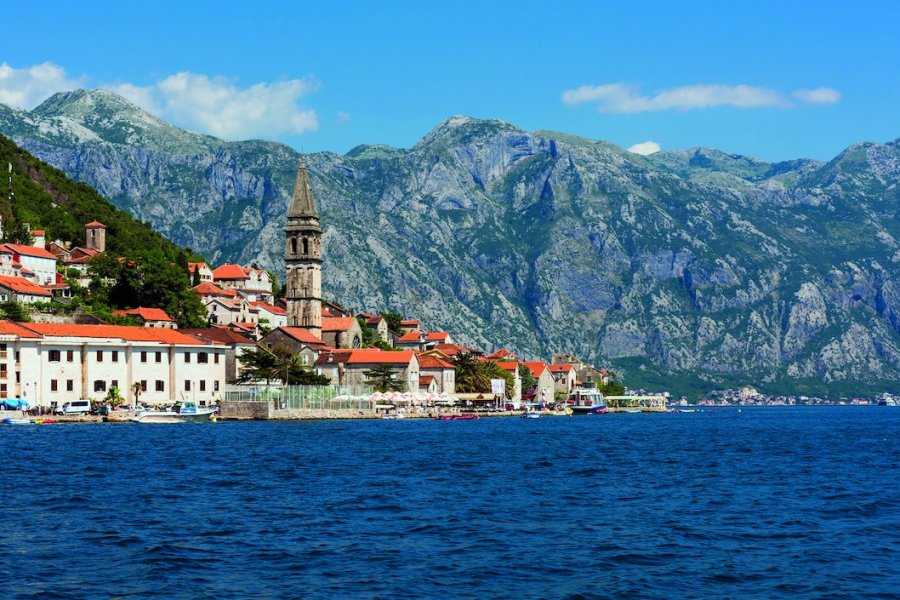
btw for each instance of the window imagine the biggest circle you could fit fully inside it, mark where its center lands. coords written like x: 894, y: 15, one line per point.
x: 18, y: 377
x: 305, y: 246
x: 216, y: 358
x: 54, y: 385
x: 293, y: 245
x: 115, y: 356
x: 3, y: 389
x: 216, y: 385
x: 70, y: 385
x: 70, y: 356
x: 202, y: 358
x: 99, y: 385
x: 187, y: 357
x: 99, y: 357
x: 202, y: 385
x: 159, y: 357
x: 17, y: 356
x: 160, y: 385
x: 143, y: 356
x: 187, y: 385
x: 143, y: 385
x: 114, y: 383
x: 54, y: 356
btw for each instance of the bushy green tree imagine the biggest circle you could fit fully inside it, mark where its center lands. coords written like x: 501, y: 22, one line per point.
x: 529, y: 381
x: 612, y: 387
x: 14, y: 312
x: 470, y: 377
x: 277, y: 364
x: 384, y: 379
x: 393, y: 321
x: 18, y: 234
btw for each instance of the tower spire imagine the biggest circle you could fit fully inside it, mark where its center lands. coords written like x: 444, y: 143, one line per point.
x: 302, y: 202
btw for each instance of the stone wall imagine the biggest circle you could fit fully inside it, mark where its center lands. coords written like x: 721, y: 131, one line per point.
x: 229, y: 409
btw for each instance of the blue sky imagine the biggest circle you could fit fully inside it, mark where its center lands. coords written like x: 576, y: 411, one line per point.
x: 774, y: 80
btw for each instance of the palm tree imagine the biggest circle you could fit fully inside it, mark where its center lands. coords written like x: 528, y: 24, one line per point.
x: 136, y: 390
x: 469, y: 377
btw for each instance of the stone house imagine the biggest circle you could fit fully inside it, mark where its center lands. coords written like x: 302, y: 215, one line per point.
x: 378, y: 326
x: 422, y: 340
x: 348, y: 367
x: 301, y: 342
x: 341, y: 332
x: 441, y: 369
x: 17, y: 289
x: 274, y: 316
x: 149, y: 317
x: 427, y: 384
x: 585, y: 375
x: 222, y: 311
x: 563, y: 377
x: 408, y: 325
x: 545, y: 388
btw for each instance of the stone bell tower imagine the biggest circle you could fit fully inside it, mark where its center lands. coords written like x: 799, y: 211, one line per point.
x: 303, y: 258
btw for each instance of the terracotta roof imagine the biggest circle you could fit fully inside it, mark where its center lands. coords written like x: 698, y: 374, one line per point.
x: 333, y: 357
x: 210, y: 289
x: 193, y: 266
x: 37, y: 232
x: 245, y: 326
x: 147, y: 314
x: 453, y: 349
x: 22, y: 286
x: 218, y: 334
x: 427, y: 361
x: 561, y: 368
x: 302, y: 335
x: 337, y: 323
x: 431, y: 336
x: 380, y: 357
x: 13, y: 328
x: 508, y: 365
x: 409, y: 323
x: 501, y: 354
x: 426, y: 379
x: 275, y: 310
x: 536, y: 367
x: 373, y: 320
x: 366, y: 315
x: 131, y: 334
x: 95, y: 225
x: 30, y: 251
x: 229, y: 272
x: 326, y: 312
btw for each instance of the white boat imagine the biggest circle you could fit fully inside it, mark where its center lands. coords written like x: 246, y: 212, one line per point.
x: 11, y: 421
x: 186, y: 412
x: 586, y: 401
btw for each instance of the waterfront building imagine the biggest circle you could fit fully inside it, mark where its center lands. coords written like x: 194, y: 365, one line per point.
x: 348, y: 367
x: 50, y: 364
x: 545, y: 388
x: 298, y: 339
x: 502, y: 354
x: 585, y: 374
x: 303, y: 258
x: 440, y: 369
x: 234, y: 343
x: 563, y: 377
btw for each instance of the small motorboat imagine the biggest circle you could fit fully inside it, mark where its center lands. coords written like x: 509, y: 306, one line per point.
x: 184, y: 412
x: 11, y: 421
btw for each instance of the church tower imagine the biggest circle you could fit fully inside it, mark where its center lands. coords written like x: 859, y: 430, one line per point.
x: 303, y: 258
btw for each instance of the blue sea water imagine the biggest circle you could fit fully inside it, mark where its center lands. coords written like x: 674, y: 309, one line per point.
x: 766, y: 502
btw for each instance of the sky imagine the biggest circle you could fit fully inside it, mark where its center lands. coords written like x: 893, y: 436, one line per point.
x: 774, y: 80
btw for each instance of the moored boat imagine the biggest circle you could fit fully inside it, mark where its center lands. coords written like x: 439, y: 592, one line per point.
x: 586, y: 401
x: 186, y: 412
x: 11, y: 421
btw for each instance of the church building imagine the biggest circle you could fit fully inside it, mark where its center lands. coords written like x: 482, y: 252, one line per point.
x: 303, y: 258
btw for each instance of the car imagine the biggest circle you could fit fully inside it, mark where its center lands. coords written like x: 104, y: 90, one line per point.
x: 75, y: 407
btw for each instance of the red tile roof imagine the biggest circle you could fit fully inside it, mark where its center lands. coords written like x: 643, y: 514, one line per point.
x: 453, y: 349
x: 131, y: 334
x: 502, y: 354
x: 302, y: 335
x: 427, y: 361
x: 337, y: 323
x: 147, y: 314
x: 30, y: 251
x: 373, y: 320
x: 22, y: 286
x: 409, y: 323
x: 275, y: 310
x: 210, y: 289
x: 218, y: 334
x: 426, y: 380
x: 431, y: 336
x: 508, y: 365
x: 95, y: 225
x: 333, y: 357
x: 230, y: 272
x: 193, y: 266
x: 536, y: 367
x: 37, y: 232
x: 561, y: 368
x: 380, y: 357
x: 13, y: 328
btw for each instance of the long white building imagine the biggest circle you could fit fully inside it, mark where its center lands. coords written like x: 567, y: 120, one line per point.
x: 50, y: 364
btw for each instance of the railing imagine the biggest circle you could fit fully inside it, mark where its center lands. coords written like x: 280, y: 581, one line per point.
x: 297, y: 397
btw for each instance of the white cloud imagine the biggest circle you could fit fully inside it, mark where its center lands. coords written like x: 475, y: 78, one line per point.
x: 624, y: 98
x: 28, y: 87
x: 343, y: 117
x: 215, y: 105
x: 645, y: 148
x: 822, y: 95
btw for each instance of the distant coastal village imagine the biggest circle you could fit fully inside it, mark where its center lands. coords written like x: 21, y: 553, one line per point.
x: 263, y: 350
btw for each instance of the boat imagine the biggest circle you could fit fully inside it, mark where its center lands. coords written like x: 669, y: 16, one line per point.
x: 531, y: 415
x: 184, y: 412
x: 11, y: 421
x: 586, y: 401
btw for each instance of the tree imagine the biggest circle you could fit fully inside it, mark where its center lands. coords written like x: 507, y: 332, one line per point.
x: 393, y: 321
x: 195, y: 278
x: 18, y: 234
x: 368, y: 334
x: 14, y: 311
x: 612, y: 387
x: 469, y: 377
x: 492, y: 370
x: 136, y: 390
x: 529, y: 381
x: 280, y: 364
x: 383, y: 379
x: 277, y: 289
x: 114, y: 397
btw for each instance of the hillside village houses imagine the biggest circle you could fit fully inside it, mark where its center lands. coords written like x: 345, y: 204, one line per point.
x: 54, y: 363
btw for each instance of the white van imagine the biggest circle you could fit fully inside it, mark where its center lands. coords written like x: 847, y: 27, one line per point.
x: 75, y: 407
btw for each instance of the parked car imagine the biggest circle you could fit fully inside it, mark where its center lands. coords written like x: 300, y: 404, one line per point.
x: 75, y: 407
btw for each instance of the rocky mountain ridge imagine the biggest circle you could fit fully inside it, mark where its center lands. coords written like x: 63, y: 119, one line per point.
x: 689, y: 270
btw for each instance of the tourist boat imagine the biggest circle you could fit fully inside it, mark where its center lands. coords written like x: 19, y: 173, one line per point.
x: 585, y: 401
x: 185, y: 412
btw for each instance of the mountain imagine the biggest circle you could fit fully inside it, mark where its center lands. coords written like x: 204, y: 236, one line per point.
x: 688, y: 270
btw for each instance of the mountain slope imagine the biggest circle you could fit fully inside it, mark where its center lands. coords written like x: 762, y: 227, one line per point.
x: 689, y: 270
